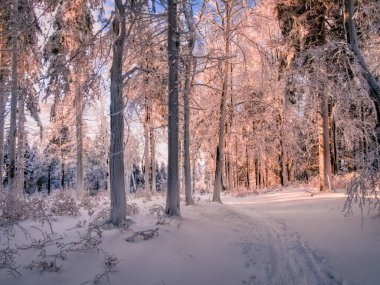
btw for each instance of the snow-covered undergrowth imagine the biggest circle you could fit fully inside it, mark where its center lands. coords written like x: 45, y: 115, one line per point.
x: 291, y: 236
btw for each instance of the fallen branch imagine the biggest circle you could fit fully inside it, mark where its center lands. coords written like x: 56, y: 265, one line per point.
x: 143, y: 235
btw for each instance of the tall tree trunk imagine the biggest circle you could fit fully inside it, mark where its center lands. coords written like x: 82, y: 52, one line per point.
x: 326, y: 142
x: 193, y: 177
x: 3, y: 100
x: 284, y: 170
x: 153, y: 160
x: 220, y: 147
x: 133, y: 180
x: 321, y: 158
x: 247, y: 183
x: 172, y: 197
x: 63, y: 175
x: 229, y: 139
x: 188, y: 12
x: 49, y: 179
x: 118, y: 203
x: 283, y: 155
x: 79, y: 137
x: 374, y: 86
x: 14, y: 94
x: 334, y: 149
x: 20, y: 146
x: 146, y: 146
x: 186, y: 135
x: 325, y: 182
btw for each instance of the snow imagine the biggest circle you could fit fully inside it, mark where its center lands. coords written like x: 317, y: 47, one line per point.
x: 286, y: 236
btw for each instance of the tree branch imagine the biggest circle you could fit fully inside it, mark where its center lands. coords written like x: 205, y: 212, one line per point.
x: 133, y: 70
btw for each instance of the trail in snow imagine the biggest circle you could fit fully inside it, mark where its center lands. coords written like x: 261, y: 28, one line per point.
x: 273, y: 253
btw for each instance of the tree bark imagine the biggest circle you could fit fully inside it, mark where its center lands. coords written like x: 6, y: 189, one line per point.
x: 325, y: 179
x: 247, y: 183
x: 20, y: 146
x: 172, y: 197
x: 14, y: 94
x: 146, y: 146
x: 284, y: 170
x: 79, y: 137
x: 229, y: 164
x: 326, y: 142
x: 62, y: 174
x: 220, y: 147
x: 118, y: 203
x: 187, y: 165
x: 3, y: 100
x: 187, y: 90
x: 153, y: 159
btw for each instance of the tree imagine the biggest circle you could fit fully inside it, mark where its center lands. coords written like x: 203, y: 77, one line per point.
x: 14, y: 94
x: 118, y: 203
x: 225, y: 14
x: 70, y: 52
x: 172, y: 198
x: 189, y: 78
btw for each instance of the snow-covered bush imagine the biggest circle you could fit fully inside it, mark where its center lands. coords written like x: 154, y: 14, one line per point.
x: 364, y: 188
x: 132, y: 209
x: 64, y: 205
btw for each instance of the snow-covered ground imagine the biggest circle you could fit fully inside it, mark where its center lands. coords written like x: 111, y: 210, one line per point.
x: 282, y: 237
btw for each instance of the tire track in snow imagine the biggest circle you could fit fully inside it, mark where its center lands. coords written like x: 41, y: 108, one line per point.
x: 274, y: 253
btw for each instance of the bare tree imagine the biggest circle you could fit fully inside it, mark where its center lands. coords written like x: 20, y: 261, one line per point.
x: 172, y: 198
x: 189, y: 77
x: 118, y: 203
x: 14, y: 95
x: 225, y: 13
x: 4, y: 78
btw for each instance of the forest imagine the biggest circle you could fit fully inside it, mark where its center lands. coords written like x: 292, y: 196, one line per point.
x: 140, y: 118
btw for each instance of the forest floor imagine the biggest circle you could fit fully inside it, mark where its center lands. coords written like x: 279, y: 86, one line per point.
x: 285, y: 236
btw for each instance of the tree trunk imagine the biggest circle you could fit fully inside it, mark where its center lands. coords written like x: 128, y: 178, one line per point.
x: 172, y: 198
x: 14, y: 93
x: 134, y: 180
x: 187, y: 90
x: 374, y: 86
x: 20, y: 146
x: 3, y: 100
x: 153, y: 160
x: 118, y: 203
x: 193, y: 177
x: 283, y: 156
x: 79, y: 137
x: 146, y: 146
x: 325, y: 182
x: 334, y: 150
x: 220, y: 147
x: 326, y: 142
x: 63, y: 175
x: 254, y: 179
x: 186, y: 135
x: 49, y: 180
x: 247, y: 183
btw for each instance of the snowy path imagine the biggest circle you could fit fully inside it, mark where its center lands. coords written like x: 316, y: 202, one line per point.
x: 273, y: 253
